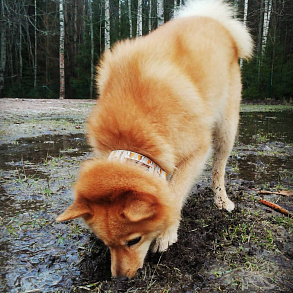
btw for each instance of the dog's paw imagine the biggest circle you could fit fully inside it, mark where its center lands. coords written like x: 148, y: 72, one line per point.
x: 165, y: 240
x: 225, y: 204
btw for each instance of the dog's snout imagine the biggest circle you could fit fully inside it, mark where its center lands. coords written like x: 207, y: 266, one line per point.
x: 121, y: 278
x: 122, y: 275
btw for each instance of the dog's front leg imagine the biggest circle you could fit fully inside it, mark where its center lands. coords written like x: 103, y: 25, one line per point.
x: 181, y: 183
x: 167, y: 238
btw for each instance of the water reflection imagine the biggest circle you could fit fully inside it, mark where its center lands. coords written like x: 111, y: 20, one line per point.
x: 271, y: 126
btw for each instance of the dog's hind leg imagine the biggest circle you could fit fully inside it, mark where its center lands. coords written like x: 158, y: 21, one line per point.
x: 224, y: 136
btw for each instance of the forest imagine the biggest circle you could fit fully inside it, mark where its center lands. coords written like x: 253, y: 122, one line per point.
x: 50, y: 48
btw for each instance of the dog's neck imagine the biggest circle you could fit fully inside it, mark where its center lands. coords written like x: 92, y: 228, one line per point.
x: 143, y: 161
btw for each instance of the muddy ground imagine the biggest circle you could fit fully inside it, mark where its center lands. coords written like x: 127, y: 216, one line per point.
x: 249, y: 250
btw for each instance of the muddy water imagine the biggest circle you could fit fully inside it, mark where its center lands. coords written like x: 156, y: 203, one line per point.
x: 39, y: 255
x: 33, y: 255
x: 269, y: 126
x: 37, y: 150
x: 264, y: 148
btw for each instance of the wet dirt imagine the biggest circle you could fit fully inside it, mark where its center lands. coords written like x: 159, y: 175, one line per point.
x: 249, y: 250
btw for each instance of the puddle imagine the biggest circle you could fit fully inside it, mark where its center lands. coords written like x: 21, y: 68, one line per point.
x: 37, y: 150
x: 33, y: 257
x: 263, y: 170
x: 264, y: 151
x: 266, y: 126
x: 40, y: 255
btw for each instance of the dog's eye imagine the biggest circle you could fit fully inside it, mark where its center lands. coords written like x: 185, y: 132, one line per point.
x: 133, y: 241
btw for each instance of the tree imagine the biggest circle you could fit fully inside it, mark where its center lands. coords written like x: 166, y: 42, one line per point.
x: 92, y: 49
x: 160, y: 12
x: 107, y: 25
x: 236, y: 7
x: 120, y: 16
x: 61, y: 51
x: 266, y: 23
x: 259, y: 41
x: 20, y: 46
x: 130, y: 19
x: 2, y: 48
x: 175, y: 7
x: 36, y: 48
x: 244, y: 22
x: 139, y: 18
x: 150, y: 16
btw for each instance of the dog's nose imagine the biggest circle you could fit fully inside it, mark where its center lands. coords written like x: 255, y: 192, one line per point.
x: 121, y: 278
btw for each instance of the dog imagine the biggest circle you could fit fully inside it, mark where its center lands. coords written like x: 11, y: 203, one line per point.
x: 166, y: 102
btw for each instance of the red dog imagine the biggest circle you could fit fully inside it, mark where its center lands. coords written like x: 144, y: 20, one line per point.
x: 166, y: 100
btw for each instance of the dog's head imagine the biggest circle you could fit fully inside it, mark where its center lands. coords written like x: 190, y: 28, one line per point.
x: 125, y: 206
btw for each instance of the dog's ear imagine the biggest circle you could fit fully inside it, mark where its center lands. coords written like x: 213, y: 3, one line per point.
x: 137, y: 209
x: 76, y: 210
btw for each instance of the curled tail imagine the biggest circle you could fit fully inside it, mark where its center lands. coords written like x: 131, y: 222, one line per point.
x: 223, y: 13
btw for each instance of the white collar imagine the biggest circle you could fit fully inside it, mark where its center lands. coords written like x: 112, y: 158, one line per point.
x: 147, y: 163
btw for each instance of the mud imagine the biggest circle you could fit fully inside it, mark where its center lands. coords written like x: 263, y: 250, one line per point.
x: 249, y: 250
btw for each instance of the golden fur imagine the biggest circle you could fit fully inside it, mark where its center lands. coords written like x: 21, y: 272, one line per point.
x: 172, y: 96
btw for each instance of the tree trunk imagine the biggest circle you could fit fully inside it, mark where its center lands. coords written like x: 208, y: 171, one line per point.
x: 107, y: 25
x: 139, y: 18
x: 36, y: 48
x: 130, y: 19
x: 92, y: 49
x: 46, y: 23
x: 174, y: 8
x: 245, y: 12
x: 75, y: 37
x: 20, y: 50
x: 61, y: 51
x: 30, y: 58
x: 160, y: 12
x: 244, y: 22
x: 273, y: 33
x: 266, y: 23
x: 259, y: 42
x: 2, y: 50
x: 236, y: 8
x: 119, y: 18
x: 100, y: 29
x: 150, y: 16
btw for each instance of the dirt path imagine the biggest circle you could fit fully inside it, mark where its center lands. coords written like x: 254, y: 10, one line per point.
x: 249, y: 250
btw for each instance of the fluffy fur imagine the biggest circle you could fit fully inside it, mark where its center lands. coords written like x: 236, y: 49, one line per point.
x: 172, y: 96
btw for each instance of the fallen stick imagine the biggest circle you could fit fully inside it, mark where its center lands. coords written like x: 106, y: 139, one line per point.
x: 281, y: 192
x: 276, y: 207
